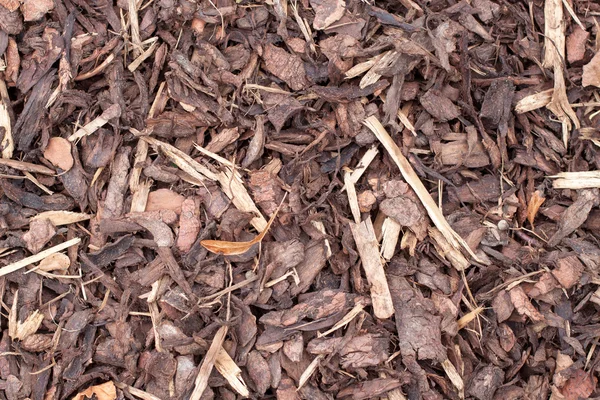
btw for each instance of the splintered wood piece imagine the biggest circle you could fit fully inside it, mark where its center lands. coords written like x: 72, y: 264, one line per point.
x: 345, y: 320
x: 368, y: 249
x: 137, y: 392
x: 454, y: 377
x: 111, y: 112
x: 25, y: 166
x: 182, y: 160
x: 576, y: 180
x: 142, y: 57
x: 448, y: 252
x: 352, y: 197
x: 309, y: 371
x: 37, y: 257
x: 534, y: 101
x: 363, y: 164
x: 7, y: 143
x: 208, y: 363
x: 390, y: 231
x: 230, y: 371
x: 554, y: 56
x: 134, y: 25
x: 59, y: 218
x: 413, y: 180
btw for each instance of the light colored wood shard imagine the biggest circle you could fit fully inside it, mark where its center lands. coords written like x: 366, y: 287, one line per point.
x: 142, y: 57
x: 368, y: 249
x: 363, y: 67
x: 309, y: 371
x: 352, y: 197
x: 62, y: 217
x: 37, y: 257
x: 576, y: 180
x: 363, y: 164
x: 230, y: 371
x: 137, y: 392
x: 391, y: 233
x: 7, y: 144
x: 454, y: 377
x: 534, y: 101
x: 413, y: 180
x: 111, y: 112
x: 447, y: 251
x: 208, y: 363
x: 554, y: 45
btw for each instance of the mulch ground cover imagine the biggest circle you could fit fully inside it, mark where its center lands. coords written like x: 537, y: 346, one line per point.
x: 313, y: 199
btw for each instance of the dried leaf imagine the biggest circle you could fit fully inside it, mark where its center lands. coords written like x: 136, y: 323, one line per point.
x: 237, y: 248
x: 534, y: 205
x: 104, y: 391
x: 58, y: 152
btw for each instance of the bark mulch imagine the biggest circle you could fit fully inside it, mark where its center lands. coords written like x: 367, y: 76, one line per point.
x: 314, y: 199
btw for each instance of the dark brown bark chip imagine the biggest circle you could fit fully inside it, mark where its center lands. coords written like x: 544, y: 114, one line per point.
x: 485, y: 382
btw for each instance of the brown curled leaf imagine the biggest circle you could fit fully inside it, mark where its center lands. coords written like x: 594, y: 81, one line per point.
x: 236, y: 248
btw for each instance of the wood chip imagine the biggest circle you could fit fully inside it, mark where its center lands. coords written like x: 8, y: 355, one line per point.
x: 368, y: 248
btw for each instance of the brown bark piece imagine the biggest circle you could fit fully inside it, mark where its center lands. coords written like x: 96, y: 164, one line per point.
x: 258, y: 369
x: 189, y: 224
x: 285, y: 66
x: 575, y: 215
x: 40, y: 232
x: 327, y: 12
x: 523, y: 304
x: 485, y: 382
x: 402, y: 210
x: 34, y: 10
x: 568, y: 271
x: 164, y: 199
x: 419, y: 330
x: 58, y: 152
x: 576, y: 44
